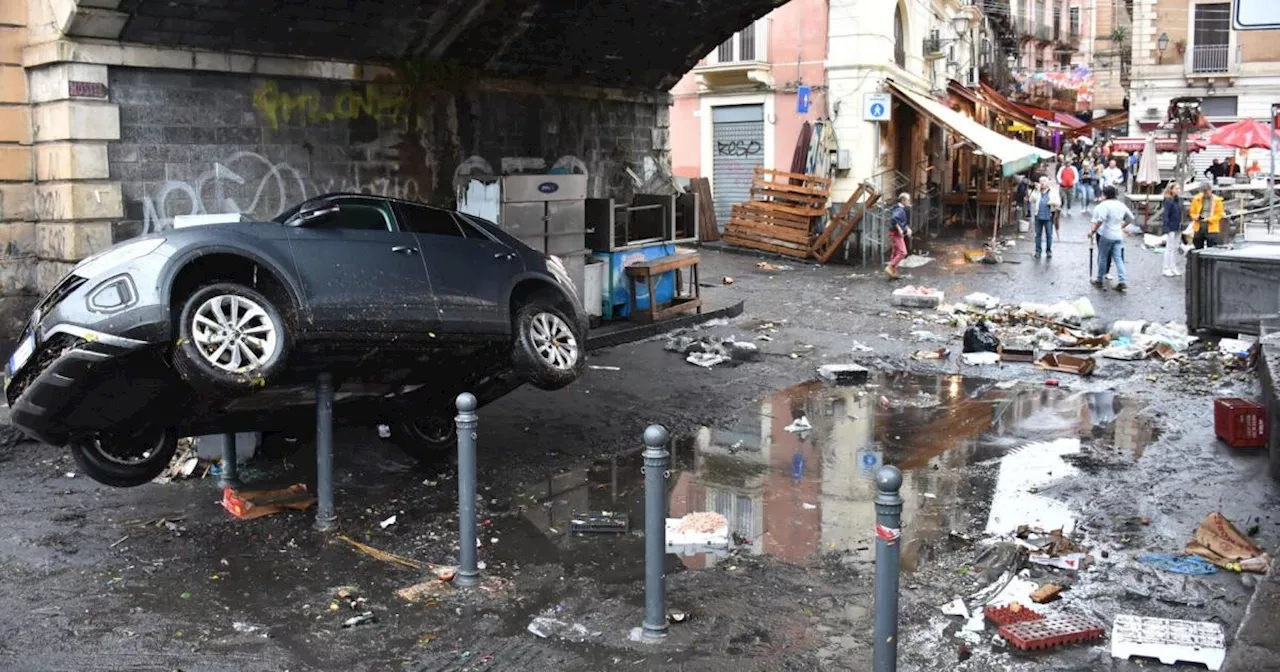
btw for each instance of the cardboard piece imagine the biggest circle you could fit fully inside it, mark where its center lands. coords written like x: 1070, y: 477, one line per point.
x: 1053, y: 361
x: 1218, y: 541
x: 259, y: 503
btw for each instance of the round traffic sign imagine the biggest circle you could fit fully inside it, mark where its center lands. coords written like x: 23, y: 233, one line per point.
x: 877, y: 109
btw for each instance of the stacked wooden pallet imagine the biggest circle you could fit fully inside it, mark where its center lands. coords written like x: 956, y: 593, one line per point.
x: 780, y: 216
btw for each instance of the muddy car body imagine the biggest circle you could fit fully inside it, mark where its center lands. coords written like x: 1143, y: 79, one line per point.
x: 223, y: 327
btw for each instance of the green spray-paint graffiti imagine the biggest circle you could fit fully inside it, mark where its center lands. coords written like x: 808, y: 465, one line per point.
x: 386, y: 103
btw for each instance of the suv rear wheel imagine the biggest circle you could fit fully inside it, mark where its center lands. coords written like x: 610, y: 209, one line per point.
x: 231, y: 338
x: 427, y: 439
x: 125, y: 460
x: 548, y: 353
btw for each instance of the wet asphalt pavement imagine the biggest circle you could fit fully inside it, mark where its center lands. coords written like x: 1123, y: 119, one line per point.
x: 160, y: 577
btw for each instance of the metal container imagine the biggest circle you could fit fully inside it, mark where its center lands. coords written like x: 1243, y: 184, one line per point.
x: 1233, y: 290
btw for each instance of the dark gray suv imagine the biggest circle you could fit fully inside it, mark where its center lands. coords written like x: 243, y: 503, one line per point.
x: 223, y: 327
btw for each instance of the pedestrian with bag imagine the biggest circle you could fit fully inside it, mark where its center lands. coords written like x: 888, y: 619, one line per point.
x: 1172, y: 218
x: 1067, y: 178
x: 899, y: 230
x: 1206, y: 213
x: 1045, y: 203
x: 1088, y: 178
x: 1109, y: 219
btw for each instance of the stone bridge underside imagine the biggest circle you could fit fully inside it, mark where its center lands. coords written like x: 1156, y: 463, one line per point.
x: 637, y: 44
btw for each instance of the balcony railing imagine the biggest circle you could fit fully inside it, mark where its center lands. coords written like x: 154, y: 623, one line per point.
x: 1210, y: 58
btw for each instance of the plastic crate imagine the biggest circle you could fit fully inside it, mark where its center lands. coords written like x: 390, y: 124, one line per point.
x: 1241, y: 423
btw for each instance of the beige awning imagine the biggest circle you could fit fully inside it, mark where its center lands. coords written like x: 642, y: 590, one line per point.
x: 1014, y: 156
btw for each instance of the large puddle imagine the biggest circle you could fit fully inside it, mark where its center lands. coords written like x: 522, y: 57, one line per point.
x: 976, y: 457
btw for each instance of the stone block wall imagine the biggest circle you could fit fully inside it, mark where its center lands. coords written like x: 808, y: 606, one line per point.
x: 17, y: 229
x: 194, y: 142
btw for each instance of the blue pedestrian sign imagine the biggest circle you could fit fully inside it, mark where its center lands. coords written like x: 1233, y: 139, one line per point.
x: 803, y: 95
x: 877, y: 107
x: 869, y: 461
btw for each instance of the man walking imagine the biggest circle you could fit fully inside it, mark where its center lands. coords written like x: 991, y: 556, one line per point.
x: 1206, y: 217
x: 899, y: 229
x: 1112, y: 176
x: 1109, y: 219
x: 1045, y: 203
x: 1067, y: 178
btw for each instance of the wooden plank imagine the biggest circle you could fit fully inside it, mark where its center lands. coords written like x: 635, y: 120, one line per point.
x: 758, y: 211
x: 767, y: 196
x: 839, y: 230
x: 765, y: 247
x: 762, y: 220
x: 747, y: 234
x: 707, y: 229
x: 662, y: 264
x: 806, y: 212
x: 803, y: 177
x: 781, y: 233
x: 790, y: 189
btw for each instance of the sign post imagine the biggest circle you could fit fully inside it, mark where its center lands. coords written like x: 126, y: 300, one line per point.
x: 877, y: 107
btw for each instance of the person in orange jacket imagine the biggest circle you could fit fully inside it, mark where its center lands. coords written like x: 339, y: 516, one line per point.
x: 1206, y: 220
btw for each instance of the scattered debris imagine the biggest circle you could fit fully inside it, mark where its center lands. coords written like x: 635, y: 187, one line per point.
x: 1169, y: 641
x: 978, y: 338
x: 726, y: 280
x: 258, y: 503
x: 604, y: 522
x: 676, y: 616
x: 914, y: 261
x: 940, y: 353
x: 1010, y: 614
x: 360, y: 619
x: 1047, y: 593
x: 546, y: 627
x: 956, y: 607
x: 387, y: 523
x: 1053, y: 361
x: 384, y: 556
x: 183, y: 465
x: 766, y: 266
x: 246, y: 628
x: 843, y: 373
x: 425, y: 591
x: 1072, y: 561
x: 1193, y: 565
x: 860, y: 347
x: 599, y: 367
x: 1218, y: 541
x: 912, y: 296
x: 980, y: 358
x: 1052, y: 631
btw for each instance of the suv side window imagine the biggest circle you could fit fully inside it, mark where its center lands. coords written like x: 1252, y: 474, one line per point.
x: 430, y: 221
x: 361, y: 215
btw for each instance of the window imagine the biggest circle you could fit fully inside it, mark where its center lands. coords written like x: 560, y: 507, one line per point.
x: 358, y: 215
x: 1220, y: 106
x: 741, y: 46
x: 431, y: 221
x: 1064, y: 61
x: 1212, y: 37
x: 1073, y: 21
x: 899, y: 39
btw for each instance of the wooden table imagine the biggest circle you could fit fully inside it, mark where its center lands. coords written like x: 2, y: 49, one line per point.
x: 647, y: 271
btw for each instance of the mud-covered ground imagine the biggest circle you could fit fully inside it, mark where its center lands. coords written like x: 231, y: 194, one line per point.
x: 160, y: 577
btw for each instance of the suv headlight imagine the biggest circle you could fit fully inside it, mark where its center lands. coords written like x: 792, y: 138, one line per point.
x: 121, y: 254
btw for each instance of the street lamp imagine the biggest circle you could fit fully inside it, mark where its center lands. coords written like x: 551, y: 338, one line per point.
x: 1161, y: 44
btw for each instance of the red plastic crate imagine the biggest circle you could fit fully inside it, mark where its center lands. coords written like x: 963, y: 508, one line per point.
x: 1007, y: 616
x: 1241, y: 423
x: 1052, y: 631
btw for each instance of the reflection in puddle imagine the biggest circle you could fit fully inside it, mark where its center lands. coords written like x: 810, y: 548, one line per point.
x: 791, y: 492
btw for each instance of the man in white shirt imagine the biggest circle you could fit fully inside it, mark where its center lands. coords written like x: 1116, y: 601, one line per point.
x: 1112, y: 176
x: 1109, y: 219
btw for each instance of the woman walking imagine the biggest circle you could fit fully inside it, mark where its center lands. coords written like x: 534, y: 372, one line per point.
x: 1172, y: 229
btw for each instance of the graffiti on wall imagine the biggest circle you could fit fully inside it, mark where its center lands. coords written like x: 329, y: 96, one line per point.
x: 384, y: 103
x: 739, y: 148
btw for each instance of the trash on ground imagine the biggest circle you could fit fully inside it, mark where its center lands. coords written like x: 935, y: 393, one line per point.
x: 1179, y: 563
x: 600, y: 522
x: 259, y: 503
x: 246, y: 628
x: 706, y: 360
x: 444, y: 572
x: 726, y: 280
x: 1240, y: 422
x: 956, y: 607
x: 1052, y: 631
x: 766, y: 266
x: 1054, y: 361
x: 426, y: 591
x: 1218, y: 541
x: 708, y: 351
x: 384, y: 556
x: 914, y: 261
x: 978, y: 338
x: 183, y: 465
x: 860, y: 347
x: 1169, y: 641
x: 1071, y: 561
x: 599, y: 367
x: 702, y: 528
x: 921, y: 335
x: 388, y: 522
x: 1011, y: 613
x: 940, y: 353
x: 1047, y: 593
x: 1026, y: 355
x: 800, y: 424
x: 1123, y: 351
x: 676, y: 616
x: 980, y: 358
x: 912, y: 296
x: 360, y: 619
x: 843, y: 373
x: 982, y: 301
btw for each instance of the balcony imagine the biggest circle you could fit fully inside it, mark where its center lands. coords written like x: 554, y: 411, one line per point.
x: 1069, y: 40
x: 1207, y: 60
x: 1044, y: 34
x: 740, y: 62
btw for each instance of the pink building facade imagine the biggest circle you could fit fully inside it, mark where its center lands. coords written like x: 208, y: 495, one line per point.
x: 743, y: 106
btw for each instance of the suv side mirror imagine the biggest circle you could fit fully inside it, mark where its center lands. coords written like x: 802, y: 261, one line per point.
x: 310, y: 214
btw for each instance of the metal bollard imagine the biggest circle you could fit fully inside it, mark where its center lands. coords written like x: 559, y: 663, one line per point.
x: 656, y: 462
x: 888, y: 533
x: 230, y: 463
x: 468, y: 573
x: 326, y: 514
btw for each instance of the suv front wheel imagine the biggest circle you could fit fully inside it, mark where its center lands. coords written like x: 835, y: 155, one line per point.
x: 548, y: 352
x: 125, y: 460
x: 231, y: 339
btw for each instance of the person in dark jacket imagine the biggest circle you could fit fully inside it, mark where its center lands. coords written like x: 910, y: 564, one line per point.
x: 1020, y: 195
x: 1172, y: 229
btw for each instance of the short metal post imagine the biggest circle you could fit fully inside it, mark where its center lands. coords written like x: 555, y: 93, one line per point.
x: 468, y: 571
x: 230, y: 463
x: 326, y: 514
x: 656, y: 462
x: 888, y: 534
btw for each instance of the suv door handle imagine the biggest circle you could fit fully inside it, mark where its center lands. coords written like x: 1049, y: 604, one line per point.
x: 404, y: 249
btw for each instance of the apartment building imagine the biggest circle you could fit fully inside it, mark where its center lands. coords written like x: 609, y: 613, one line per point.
x: 1189, y: 48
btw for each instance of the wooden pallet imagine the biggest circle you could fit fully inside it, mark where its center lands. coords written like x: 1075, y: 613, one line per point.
x: 780, y: 215
x: 844, y: 223
x: 760, y: 212
x: 776, y: 247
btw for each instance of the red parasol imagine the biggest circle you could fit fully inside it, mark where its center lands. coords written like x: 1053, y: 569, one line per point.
x: 1244, y: 134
